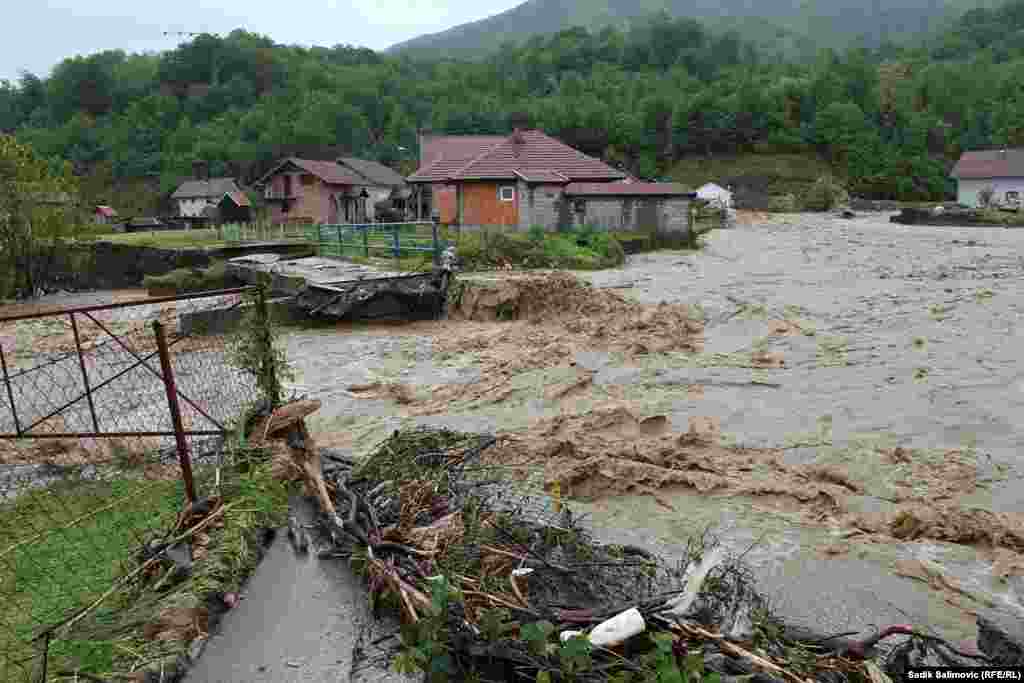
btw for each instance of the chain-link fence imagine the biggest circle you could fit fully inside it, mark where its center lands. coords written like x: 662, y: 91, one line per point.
x: 104, y: 413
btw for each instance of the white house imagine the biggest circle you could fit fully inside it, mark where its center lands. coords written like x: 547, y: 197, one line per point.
x: 715, y: 193
x: 1001, y: 170
x: 194, y: 196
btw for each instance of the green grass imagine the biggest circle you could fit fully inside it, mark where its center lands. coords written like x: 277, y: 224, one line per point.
x: 59, y: 570
x: 52, y: 576
x: 166, y: 239
x: 578, y: 250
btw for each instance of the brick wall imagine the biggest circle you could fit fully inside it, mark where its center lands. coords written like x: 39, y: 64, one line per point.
x: 480, y: 205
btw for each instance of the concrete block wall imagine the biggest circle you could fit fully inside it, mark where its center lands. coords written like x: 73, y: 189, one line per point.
x: 539, y: 206
x: 675, y: 216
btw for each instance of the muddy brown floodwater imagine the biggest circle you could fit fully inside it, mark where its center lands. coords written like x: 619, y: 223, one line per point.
x: 847, y: 415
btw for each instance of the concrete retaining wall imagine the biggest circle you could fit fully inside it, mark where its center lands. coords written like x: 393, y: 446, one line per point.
x: 109, y: 265
x: 223, y: 320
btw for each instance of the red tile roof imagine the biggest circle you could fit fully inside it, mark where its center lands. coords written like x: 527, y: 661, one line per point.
x: 627, y: 189
x: 535, y: 176
x: 990, y: 164
x: 534, y: 156
x: 239, y: 198
x: 328, y: 171
x: 463, y: 147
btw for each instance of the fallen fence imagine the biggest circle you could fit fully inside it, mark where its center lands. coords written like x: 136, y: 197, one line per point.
x: 104, y: 413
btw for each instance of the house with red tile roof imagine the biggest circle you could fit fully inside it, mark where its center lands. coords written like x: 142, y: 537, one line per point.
x: 529, y: 178
x: 346, y: 190
x: 1001, y: 170
x: 104, y: 215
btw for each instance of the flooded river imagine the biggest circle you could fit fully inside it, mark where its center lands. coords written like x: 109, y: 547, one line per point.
x: 891, y: 337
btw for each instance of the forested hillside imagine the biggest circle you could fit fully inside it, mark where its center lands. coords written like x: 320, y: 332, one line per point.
x: 782, y: 27
x: 890, y: 120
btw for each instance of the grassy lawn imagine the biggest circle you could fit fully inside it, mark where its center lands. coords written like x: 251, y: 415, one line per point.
x: 167, y: 239
x: 63, y: 566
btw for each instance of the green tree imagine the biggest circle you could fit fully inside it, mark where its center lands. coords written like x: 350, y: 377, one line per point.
x: 36, y: 213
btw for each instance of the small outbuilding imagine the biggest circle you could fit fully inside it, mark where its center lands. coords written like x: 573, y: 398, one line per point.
x: 657, y: 208
x: 714, y: 193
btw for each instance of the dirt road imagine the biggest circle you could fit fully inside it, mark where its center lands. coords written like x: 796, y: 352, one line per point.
x: 850, y: 411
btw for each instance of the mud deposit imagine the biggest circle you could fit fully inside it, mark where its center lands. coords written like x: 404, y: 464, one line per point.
x: 843, y: 393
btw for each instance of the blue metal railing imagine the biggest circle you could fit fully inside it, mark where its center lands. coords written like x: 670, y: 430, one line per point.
x: 345, y: 240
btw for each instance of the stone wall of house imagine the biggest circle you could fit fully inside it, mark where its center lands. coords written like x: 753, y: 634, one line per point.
x: 605, y: 213
x: 667, y: 217
x: 675, y: 224
x: 539, y: 206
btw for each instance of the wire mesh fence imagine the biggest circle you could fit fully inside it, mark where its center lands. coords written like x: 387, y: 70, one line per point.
x: 91, y: 465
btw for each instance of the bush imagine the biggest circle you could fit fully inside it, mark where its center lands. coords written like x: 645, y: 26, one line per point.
x: 185, y: 280
x: 826, y: 194
x: 985, y: 196
x: 536, y: 233
x: 537, y: 249
x: 785, y: 203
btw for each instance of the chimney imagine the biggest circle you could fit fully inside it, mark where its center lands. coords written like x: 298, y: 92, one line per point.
x: 423, y: 134
x: 517, y: 135
x: 200, y: 170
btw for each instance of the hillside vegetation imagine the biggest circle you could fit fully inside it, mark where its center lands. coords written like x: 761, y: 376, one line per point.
x: 760, y: 174
x: 888, y: 120
x: 784, y: 27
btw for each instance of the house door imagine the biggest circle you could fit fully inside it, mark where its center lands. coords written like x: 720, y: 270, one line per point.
x: 647, y: 217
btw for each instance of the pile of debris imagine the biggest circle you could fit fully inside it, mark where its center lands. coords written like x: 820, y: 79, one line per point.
x: 503, y: 584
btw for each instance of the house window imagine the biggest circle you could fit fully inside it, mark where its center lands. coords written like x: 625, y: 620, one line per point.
x: 307, y: 179
x: 507, y: 193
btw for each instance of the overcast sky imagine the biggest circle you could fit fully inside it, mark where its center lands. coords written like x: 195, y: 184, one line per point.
x: 37, y: 34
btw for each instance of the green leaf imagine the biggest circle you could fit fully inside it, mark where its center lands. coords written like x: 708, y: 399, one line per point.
x: 405, y: 663
x: 492, y: 623
x: 536, y: 635
x: 694, y: 666
x: 668, y: 672
x: 543, y: 677
x: 663, y: 641
x: 439, y: 595
x: 575, y: 654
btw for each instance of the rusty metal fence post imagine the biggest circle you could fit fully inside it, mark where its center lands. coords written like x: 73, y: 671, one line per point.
x: 85, y: 373
x: 172, y: 404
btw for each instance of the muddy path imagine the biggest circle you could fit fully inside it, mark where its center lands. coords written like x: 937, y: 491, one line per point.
x: 847, y: 408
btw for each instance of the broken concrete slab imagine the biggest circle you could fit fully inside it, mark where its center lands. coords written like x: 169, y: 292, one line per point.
x: 297, y: 621
x: 222, y: 320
